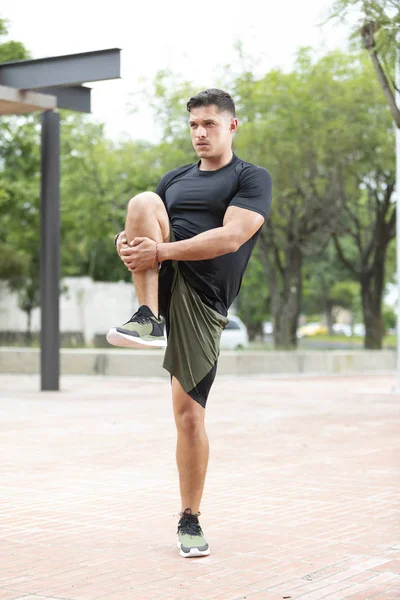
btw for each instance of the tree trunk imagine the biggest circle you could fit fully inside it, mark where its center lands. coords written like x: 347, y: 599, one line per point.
x: 286, y: 311
x: 368, y: 36
x: 29, y: 328
x: 328, y: 315
x: 285, y: 286
x: 371, y: 295
x: 254, y: 330
x: 372, y: 320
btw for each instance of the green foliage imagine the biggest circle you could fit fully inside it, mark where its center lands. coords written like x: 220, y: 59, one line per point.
x: 375, y: 30
x: 346, y: 294
x: 384, y: 13
x: 20, y: 208
x: 254, y: 301
x: 12, y: 262
x: 168, y: 103
x: 390, y: 266
x: 18, y: 170
x: 10, y: 50
x: 98, y: 179
x: 389, y: 318
x: 324, y: 278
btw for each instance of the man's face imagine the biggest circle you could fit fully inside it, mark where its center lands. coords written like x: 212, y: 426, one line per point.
x: 211, y: 131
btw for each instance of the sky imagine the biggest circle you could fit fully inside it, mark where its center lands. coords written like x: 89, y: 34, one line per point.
x: 193, y: 40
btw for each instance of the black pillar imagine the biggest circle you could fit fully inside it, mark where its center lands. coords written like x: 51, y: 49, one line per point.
x: 50, y: 252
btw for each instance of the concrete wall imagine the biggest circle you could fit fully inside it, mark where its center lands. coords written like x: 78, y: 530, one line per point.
x: 148, y: 363
x: 87, y: 306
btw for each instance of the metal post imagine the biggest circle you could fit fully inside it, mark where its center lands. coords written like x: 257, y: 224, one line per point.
x: 50, y: 252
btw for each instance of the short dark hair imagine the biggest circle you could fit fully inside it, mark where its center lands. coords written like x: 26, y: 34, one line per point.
x: 221, y: 99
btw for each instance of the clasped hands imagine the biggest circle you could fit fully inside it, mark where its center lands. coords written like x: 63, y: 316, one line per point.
x: 139, y: 255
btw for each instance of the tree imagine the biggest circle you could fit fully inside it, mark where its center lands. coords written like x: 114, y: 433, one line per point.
x: 368, y: 218
x: 98, y: 179
x: 370, y: 224
x: 19, y: 197
x: 377, y: 28
x: 12, y: 261
x: 306, y: 127
x: 20, y: 210
x: 10, y: 50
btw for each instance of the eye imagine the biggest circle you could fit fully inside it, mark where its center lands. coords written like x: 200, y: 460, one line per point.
x: 192, y: 125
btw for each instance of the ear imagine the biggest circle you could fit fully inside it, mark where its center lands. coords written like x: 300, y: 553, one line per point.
x: 234, y: 125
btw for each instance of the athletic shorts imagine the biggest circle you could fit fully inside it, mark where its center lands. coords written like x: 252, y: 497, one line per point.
x: 193, y: 333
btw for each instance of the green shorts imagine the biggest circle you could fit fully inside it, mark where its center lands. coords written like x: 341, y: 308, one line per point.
x: 193, y: 333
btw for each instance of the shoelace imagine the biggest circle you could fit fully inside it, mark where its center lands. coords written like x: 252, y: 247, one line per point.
x: 139, y: 317
x: 189, y: 524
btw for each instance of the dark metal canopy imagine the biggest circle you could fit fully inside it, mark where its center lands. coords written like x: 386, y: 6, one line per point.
x: 63, y: 76
x: 59, y: 80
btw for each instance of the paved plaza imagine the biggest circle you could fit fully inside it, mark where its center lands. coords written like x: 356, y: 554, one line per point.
x: 301, y: 499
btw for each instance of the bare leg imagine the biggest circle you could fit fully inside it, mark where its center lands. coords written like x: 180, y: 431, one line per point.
x: 147, y: 217
x: 192, y: 448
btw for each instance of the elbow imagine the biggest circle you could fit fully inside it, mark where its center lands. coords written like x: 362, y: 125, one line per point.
x: 233, y: 244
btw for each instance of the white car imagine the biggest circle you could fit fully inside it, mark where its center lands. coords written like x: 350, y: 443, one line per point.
x: 234, y: 336
x: 342, y: 329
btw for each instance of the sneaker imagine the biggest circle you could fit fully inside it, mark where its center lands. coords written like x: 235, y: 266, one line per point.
x: 143, y: 330
x: 191, y: 540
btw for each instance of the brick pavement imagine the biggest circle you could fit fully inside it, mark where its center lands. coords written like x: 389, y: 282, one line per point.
x: 301, y: 500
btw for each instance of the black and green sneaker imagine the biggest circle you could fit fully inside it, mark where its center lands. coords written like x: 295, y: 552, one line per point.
x: 191, y: 541
x: 143, y: 330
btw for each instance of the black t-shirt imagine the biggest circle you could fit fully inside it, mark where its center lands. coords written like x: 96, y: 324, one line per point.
x: 196, y: 201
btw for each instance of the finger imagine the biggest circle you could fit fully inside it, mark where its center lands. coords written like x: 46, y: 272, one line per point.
x: 137, y: 241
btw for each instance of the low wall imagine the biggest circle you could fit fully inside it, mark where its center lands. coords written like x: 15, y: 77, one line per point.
x: 87, y: 308
x: 137, y: 363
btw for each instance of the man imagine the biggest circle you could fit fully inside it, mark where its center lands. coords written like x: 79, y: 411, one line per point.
x: 187, y: 246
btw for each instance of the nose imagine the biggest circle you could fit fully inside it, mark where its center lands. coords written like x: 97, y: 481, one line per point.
x: 201, y: 132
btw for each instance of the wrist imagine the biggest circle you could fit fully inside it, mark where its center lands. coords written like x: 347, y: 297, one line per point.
x: 163, y: 251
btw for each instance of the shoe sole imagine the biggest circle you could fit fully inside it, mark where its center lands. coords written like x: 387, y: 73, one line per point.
x: 116, y: 338
x: 193, y: 552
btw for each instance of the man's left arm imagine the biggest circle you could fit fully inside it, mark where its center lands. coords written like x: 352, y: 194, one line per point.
x: 239, y: 226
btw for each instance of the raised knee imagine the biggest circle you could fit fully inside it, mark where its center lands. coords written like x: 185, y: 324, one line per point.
x: 144, y: 201
x: 190, y: 423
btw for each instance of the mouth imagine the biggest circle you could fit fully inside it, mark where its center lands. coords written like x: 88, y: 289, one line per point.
x: 201, y: 145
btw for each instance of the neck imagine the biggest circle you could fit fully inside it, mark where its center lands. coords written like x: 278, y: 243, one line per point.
x: 212, y: 164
